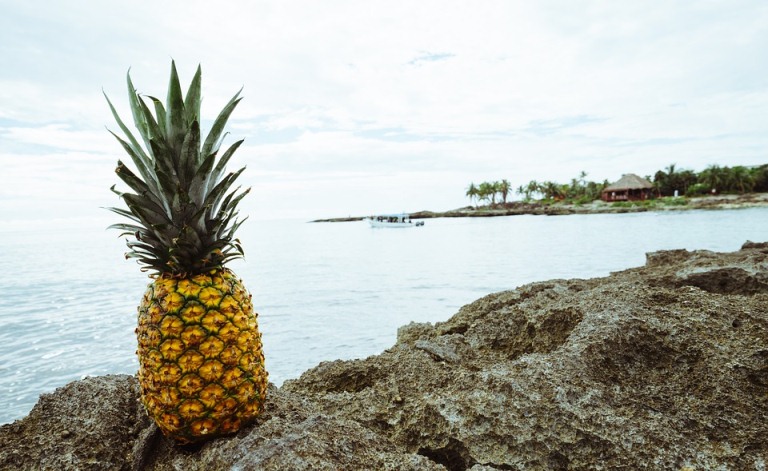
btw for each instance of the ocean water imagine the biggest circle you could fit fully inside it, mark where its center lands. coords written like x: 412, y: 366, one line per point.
x: 323, y: 291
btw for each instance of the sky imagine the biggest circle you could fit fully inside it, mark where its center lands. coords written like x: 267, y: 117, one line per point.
x: 361, y: 107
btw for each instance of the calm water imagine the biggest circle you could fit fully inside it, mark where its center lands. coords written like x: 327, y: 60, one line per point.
x: 323, y: 291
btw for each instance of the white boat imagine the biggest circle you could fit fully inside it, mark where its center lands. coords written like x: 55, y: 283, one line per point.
x: 393, y: 220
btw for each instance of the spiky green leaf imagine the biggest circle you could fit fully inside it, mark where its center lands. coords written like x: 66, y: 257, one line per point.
x: 222, y: 164
x: 140, y: 158
x: 175, y: 112
x: 193, y: 99
x: 160, y: 116
x: 212, y: 140
x: 190, y: 151
x: 139, y: 119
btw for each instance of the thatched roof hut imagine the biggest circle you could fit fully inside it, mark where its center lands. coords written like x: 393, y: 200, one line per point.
x: 630, y: 187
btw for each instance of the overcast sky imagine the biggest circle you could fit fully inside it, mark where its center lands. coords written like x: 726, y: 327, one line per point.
x: 355, y: 107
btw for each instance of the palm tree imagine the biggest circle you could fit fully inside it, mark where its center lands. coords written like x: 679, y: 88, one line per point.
x: 671, y: 169
x: 532, y: 187
x: 496, y: 190
x: 593, y: 190
x: 714, y: 177
x: 487, y: 192
x: 663, y: 181
x: 550, y: 190
x: 742, y: 179
x: 760, y: 177
x: 666, y: 183
x: 521, y: 191
x: 504, y: 189
x: 472, y: 192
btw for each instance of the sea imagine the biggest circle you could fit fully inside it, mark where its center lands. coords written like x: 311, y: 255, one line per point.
x: 323, y: 291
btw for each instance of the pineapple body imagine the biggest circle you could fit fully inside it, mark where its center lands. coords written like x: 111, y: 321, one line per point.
x: 201, y: 365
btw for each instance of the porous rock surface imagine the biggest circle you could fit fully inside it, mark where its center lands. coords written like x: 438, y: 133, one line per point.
x: 659, y: 367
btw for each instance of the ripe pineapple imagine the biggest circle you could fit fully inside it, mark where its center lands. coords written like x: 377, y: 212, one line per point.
x: 201, y: 366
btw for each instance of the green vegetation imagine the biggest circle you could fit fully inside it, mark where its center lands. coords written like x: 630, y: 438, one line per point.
x: 487, y: 191
x: 712, y: 180
x: 577, y: 191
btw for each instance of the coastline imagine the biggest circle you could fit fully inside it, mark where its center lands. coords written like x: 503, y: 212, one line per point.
x: 516, y: 208
x: 661, y: 366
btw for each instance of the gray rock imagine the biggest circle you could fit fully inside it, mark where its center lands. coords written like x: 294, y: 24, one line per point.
x: 659, y: 367
x: 93, y: 424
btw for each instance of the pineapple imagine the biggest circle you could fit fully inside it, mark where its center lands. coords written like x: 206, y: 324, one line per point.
x: 201, y: 366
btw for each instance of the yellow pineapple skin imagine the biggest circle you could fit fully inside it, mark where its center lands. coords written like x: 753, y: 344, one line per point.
x: 201, y: 364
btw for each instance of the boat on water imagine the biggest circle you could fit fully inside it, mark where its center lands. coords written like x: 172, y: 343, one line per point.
x: 393, y: 220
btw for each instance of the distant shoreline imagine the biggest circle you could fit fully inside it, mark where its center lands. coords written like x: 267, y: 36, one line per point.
x: 747, y: 200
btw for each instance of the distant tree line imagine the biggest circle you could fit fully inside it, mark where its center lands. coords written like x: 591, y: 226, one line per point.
x: 487, y: 191
x: 713, y: 179
x: 578, y: 190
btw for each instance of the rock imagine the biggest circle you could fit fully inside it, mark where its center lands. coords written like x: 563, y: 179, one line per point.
x: 658, y: 367
x: 667, y: 257
x: 291, y: 434
x: 93, y: 424
x: 763, y: 246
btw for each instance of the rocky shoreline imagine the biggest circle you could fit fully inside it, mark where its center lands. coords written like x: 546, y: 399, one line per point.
x: 748, y: 200
x: 663, y: 366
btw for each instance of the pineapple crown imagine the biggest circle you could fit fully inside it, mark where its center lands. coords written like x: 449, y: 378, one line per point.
x: 182, y: 208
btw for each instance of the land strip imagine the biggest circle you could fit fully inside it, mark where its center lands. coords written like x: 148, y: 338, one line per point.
x: 747, y: 200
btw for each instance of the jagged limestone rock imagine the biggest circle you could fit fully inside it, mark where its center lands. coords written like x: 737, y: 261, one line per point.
x: 659, y: 367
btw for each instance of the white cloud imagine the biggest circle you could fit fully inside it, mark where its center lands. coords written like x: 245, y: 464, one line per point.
x: 361, y: 97
x: 61, y: 136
